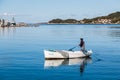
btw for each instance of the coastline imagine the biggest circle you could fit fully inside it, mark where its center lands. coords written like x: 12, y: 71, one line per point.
x: 75, y: 24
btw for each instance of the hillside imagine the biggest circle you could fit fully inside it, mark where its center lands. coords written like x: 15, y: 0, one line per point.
x: 113, y: 18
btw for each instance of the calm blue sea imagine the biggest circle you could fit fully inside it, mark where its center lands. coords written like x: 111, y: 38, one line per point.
x: 22, y: 58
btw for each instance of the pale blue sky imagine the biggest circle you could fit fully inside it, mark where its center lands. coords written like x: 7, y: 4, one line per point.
x: 45, y: 10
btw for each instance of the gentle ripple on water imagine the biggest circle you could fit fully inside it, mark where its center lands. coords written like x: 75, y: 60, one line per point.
x: 22, y: 58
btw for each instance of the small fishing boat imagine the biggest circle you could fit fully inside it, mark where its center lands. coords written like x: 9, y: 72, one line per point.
x: 65, y: 54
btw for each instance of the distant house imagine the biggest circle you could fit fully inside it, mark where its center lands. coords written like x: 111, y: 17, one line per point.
x: 13, y: 23
x: 2, y: 22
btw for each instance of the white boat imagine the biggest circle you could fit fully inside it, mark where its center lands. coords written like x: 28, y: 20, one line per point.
x: 64, y: 54
x: 60, y: 62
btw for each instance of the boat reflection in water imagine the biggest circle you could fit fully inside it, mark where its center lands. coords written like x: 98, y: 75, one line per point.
x: 84, y: 62
x: 60, y: 62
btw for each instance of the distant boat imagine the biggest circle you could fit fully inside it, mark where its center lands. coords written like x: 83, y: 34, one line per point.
x: 64, y: 54
x: 60, y: 62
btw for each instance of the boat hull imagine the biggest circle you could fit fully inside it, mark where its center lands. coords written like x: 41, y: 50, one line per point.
x: 63, y: 54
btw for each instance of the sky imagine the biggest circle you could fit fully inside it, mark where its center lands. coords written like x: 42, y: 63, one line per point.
x: 45, y: 10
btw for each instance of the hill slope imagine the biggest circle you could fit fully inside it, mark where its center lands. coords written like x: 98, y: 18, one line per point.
x: 113, y: 18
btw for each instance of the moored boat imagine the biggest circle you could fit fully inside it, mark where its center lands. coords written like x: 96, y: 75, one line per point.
x: 64, y: 54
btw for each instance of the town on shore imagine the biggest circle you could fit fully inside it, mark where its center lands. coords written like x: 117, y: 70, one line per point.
x: 113, y: 18
x: 12, y: 23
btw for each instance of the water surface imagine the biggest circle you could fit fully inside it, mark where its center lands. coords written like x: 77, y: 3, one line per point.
x: 22, y: 58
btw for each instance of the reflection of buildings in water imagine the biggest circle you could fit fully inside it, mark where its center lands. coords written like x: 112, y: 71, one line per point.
x: 114, y: 31
x: 6, y: 31
x: 77, y: 61
x: 115, y: 27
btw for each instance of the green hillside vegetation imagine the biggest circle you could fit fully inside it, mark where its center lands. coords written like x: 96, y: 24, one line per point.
x: 113, y: 18
x: 63, y: 21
